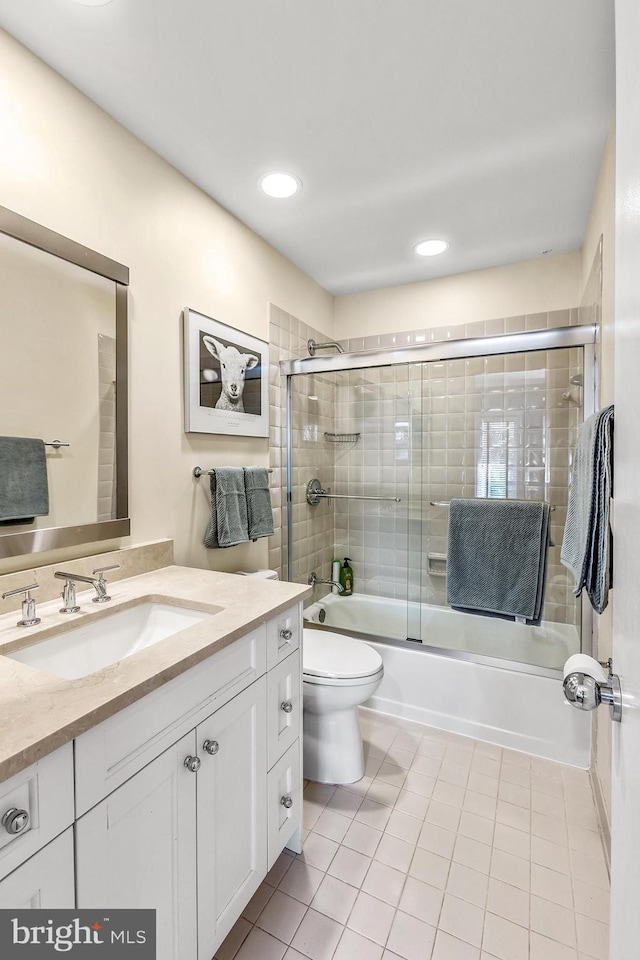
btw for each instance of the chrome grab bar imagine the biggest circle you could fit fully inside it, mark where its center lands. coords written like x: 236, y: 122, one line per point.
x: 315, y: 493
x: 445, y: 503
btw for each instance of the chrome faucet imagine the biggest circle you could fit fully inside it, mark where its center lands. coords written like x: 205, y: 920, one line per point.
x: 332, y: 583
x: 69, y: 592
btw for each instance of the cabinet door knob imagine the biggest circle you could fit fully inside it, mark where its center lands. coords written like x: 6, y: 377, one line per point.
x: 287, y: 706
x: 286, y: 634
x: 15, y: 821
x: 211, y: 746
x: 286, y: 801
x: 193, y: 764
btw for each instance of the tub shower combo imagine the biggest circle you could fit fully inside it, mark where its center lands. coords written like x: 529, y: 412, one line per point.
x: 378, y: 443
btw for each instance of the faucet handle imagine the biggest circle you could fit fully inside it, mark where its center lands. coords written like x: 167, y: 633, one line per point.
x: 29, y: 618
x: 101, y: 584
x: 113, y: 566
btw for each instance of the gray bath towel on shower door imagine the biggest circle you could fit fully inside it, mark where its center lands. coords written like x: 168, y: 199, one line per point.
x: 24, y: 488
x: 497, y: 558
x: 260, y: 515
x: 228, y: 523
x: 586, y: 545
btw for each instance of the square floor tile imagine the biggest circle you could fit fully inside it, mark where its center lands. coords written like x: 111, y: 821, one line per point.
x: 234, y: 939
x: 448, y: 793
x: 410, y: 938
x: 412, y: 803
x: 462, y: 920
x: 334, y: 898
x: 508, y: 902
x: 467, y: 884
x: 383, y: 792
x: 480, y: 804
x: 332, y: 825
x: 403, y: 826
x: 513, y: 841
x: 281, y: 916
x: 394, y: 852
x: 437, y: 840
x: 443, y: 815
x: 344, y: 802
x: 544, y: 949
x: 258, y: 902
x: 430, y: 868
x: 373, y: 814
x: 372, y: 918
x: 504, y: 939
x: 553, y: 921
x: 261, y: 946
x: 301, y: 881
x: 384, y: 882
x: 278, y: 870
x: 593, y: 937
x: 317, y: 936
x: 319, y: 851
x: 421, y: 900
x: 418, y: 783
x: 550, y: 855
x: 450, y: 948
x: 476, y: 828
x: 472, y: 854
x: 353, y: 946
x: 552, y: 886
x: 362, y: 838
x: 350, y: 866
x: 590, y: 901
x: 513, y: 816
x: 511, y: 869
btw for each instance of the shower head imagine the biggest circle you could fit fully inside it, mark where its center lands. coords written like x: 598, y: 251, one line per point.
x: 312, y: 346
x: 577, y: 380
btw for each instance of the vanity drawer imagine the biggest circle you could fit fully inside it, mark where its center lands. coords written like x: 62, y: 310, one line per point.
x: 115, y: 750
x: 45, y: 881
x: 283, y: 635
x: 284, y: 801
x: 284, y: 706
x: 45, y: 791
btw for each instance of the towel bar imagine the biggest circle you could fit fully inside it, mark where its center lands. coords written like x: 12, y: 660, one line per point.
x: 445, y: 503
x: 315, y: 493
x: 198, y: 471
x: 56, y: 444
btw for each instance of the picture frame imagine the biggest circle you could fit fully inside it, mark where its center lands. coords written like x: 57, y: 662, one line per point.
x: 226, y: 379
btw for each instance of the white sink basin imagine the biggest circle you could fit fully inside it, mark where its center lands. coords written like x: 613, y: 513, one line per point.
x: 84, y: 649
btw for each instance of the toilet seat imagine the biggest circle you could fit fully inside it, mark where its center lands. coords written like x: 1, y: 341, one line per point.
x: 335, y: 659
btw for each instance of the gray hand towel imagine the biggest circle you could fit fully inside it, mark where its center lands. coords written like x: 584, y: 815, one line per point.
x: 228, y: 523
x: 497, y: 558
x: 260, y: 515
x: 586, y: 545
x: 24, y: 489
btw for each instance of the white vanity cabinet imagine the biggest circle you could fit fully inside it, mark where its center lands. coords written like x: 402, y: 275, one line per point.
x: 36, y: 812
x: 186, y: 798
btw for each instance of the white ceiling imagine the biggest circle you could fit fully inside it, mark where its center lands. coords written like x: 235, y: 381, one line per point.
x: 479, y: 121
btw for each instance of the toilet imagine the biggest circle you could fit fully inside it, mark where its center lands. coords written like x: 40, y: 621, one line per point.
x: 339, y: 673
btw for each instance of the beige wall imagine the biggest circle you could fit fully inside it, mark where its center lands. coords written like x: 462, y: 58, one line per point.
x: 601, y: 224
x: 532, y: 286
x: 69, y: 166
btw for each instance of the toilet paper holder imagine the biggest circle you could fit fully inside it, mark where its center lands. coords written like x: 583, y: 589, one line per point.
x: 587, y: 693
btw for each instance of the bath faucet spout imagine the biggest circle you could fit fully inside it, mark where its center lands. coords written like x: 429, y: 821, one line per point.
x: 313, y: 579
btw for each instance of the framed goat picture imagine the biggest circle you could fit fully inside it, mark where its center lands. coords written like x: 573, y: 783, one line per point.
x: 226, y: 379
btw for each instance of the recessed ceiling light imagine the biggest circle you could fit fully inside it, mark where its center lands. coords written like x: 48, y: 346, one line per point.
x: 431, y: 248
x: 280, y: 185
x: 93, y: 3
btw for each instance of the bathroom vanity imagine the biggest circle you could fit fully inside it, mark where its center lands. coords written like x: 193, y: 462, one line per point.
x: 169, y: 779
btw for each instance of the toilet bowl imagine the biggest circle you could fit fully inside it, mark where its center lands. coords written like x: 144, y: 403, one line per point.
x: 339, y: 673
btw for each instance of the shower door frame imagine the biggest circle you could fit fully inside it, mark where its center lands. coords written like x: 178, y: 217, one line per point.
x: 531, y: 341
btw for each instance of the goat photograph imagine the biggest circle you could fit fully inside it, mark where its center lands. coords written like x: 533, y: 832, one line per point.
x: 226, y: 379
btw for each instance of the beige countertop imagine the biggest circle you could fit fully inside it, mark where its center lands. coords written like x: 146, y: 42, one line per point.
x: 40, y: 712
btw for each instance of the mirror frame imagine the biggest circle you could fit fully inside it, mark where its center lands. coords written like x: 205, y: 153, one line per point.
x: 52, y: 538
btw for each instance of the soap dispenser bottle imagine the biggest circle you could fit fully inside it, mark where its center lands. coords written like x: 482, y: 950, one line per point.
x: 346, y: 578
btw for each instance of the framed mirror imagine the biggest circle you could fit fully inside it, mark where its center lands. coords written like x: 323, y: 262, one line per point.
x: 63, y: 391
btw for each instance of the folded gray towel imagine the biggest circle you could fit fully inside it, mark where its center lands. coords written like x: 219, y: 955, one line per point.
x: 260, y: 515
x: 586, y: 545
x: 228, y: 523
x: 497, y: 558
x: 24, y: 489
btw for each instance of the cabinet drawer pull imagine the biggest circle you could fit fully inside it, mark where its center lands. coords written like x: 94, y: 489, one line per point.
x: 211, y: 746
x: 286, y: 801
x: 15, y: 820
x: 286, y: 706
x: 193, y: 764
x: 286, y: 635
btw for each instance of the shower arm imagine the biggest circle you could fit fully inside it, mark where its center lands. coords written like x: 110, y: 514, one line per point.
x: 313, y: 345
x: 315, y: 493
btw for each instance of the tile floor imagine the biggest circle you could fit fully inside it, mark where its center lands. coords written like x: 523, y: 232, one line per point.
x: 447, y: 849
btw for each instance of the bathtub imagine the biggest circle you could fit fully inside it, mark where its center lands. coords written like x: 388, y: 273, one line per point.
x: 479, y: 676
